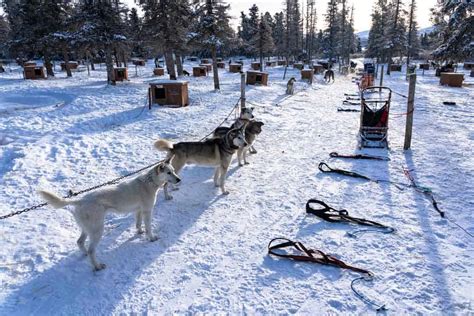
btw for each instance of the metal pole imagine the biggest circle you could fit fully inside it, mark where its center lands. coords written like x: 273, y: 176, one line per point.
x: 410, y: 107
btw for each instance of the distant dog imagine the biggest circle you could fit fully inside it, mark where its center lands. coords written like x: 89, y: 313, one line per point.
x: 328, y: 75
x: 213, y: 152
x: 186, y: 73
x: 137, y: 195
x: 290, y: 86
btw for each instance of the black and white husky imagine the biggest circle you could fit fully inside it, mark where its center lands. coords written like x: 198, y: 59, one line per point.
x: 212, y: 152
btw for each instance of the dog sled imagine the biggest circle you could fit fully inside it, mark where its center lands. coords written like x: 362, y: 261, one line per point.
x: 375, y: 108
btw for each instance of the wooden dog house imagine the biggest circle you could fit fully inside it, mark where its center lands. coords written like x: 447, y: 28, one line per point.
x: 221, y: 64
x: 469, y: 65
x: 139, y: 62
x: 205, y: 61
x: 451, y: 79
x: 208, y: 66
x: 72, y: 65
x: 298, y: 66
x: 29, y: 64
x: 235, y: 68
x: 255, y: 65
x: 34, y: 72
x: 307, y: 74
x: 281, y: 63
x: 318, y: 69
x: 270, y: 64
x: 425, y: 66
x: 120, y: 74
x: 257, y: 78
x: 395, y: 67
x: 159, y: 72
x: 168, y: 92
x: 199, y: 71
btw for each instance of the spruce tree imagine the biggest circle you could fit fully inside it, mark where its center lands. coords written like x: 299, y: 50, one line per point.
x: 332, y: 31
x: 413, y: 43
x: 453, y: 21
x: 262, y: 41
x: 212, y: 30
x: 279, y: 34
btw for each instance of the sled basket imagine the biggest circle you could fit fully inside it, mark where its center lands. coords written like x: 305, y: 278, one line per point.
x: 375, y: 108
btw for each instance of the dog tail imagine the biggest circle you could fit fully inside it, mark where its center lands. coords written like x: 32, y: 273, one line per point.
x: 54, y: 200
x: 163, y: 145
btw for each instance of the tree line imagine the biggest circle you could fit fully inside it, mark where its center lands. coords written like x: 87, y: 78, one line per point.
x: 394, y: 32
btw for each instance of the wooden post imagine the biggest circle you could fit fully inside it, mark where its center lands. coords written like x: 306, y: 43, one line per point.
x: 242, y: 90
x: 377, y: 71
x: 410, y: 107
x: 149, y: 98
x: 381, y: 79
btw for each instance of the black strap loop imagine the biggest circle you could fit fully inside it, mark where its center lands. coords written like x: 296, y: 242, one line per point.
x: 330, y: 214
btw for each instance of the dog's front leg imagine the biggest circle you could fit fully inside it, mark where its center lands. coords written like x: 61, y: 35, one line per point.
x: 139, y: 217
x: 168, y: 196
x: 149, y: 233
x: 216, y: 177
x: 244, y: 154
x: 222, y: 180
x: 239, y: 156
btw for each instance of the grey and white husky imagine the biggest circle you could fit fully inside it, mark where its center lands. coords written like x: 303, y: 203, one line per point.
x: 290, y: 86
x: 136, y: 195
x: 252, y: 129
x: 212, y: 152
x: 246, y: 116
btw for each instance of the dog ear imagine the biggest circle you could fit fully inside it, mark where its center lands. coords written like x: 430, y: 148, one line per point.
x: 260, y: 123
x: 252, y: 109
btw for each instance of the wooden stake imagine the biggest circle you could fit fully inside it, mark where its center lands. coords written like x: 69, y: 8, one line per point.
x: 242, y: 90
x: 410, y: 107
x: 381, y: 79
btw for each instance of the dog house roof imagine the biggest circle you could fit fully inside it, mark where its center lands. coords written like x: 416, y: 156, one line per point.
x: 257, y: 72
x: 165, y: 81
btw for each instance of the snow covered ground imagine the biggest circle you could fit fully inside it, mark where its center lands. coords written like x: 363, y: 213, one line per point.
x: 211, y: 257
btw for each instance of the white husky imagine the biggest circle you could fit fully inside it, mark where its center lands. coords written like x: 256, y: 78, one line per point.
x: 138, y: 195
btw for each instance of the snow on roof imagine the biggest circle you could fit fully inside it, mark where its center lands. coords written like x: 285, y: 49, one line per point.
x: 166, y: 81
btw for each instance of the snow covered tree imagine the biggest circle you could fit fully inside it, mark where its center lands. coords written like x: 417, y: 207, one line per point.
x: 346, y: 36
x: 4, y: 34
x: 100, y: 24
x: 378, y: 44
x: 212, y: 30
x: 331, y: 33
x: 311, y: 19
x: 278, y: 34
x: 453, y: 21
x: 32, y: 25
x: 135, y: 33
x: 166, y: 24
x: 262, y: 42
x: 293, y: 29
x: 397, y: 31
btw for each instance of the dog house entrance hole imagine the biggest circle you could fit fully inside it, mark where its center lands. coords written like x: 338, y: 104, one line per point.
x: 38, y: 72
x: 258, y: 78
x: 202, y: 71
x: 120, y: 73
x: 160, y: 92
